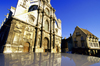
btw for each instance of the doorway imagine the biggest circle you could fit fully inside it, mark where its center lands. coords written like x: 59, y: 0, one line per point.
x: 26, y: 47
x: 57, y: 49
x: 46, y: 44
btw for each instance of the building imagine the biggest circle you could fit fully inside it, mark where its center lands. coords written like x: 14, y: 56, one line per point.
x: 85, y: 42
x: 31, y: 27
x: 67, y: 44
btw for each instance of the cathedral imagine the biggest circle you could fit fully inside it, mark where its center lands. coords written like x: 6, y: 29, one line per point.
x: 31, y: 27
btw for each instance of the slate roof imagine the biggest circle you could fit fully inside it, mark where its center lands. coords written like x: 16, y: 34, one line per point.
x: 86, y: 31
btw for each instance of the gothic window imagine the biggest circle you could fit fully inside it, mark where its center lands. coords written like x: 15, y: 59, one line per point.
x: 46, y: 26
x: 32, y: 8
x: 47, y: 11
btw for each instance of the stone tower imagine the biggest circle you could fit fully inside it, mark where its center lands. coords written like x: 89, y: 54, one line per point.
x: 33, y: 26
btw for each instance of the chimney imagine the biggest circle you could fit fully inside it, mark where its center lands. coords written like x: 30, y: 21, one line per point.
x: 65, y: 38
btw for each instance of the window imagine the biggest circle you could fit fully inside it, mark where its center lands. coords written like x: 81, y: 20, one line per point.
x: 92, y: 39
x: 46, y: 26
x: 91, y: 45
x: 56, y: 23
x: 82, y: 38
x: 47, y: 11
x: 96, y: 40
x: 96, y: 44
x: 78, y: 34
x: 82, y: 44
x: 32, y: 8
x: 74, y: 39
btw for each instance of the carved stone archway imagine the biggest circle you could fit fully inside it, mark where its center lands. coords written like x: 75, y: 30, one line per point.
x: 46, y: 44
x: 57, y: 49
x: 26, y: 47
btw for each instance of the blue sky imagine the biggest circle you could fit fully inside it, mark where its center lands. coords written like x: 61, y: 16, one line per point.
x: 82, y: 13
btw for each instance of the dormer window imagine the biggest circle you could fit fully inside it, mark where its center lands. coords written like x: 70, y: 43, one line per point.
x: 95, y: 40
x: 92, y: 39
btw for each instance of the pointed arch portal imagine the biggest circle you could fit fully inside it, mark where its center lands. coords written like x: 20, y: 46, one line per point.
x: 46, y: 44
x: 26, y: 47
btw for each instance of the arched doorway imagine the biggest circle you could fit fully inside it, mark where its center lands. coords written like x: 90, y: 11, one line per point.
x: 57, y: 48
x: 26, y: 47
x: 46, y: 44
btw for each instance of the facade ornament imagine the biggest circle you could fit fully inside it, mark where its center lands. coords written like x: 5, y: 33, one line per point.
x: 24, y: 4
x: 31, y: 18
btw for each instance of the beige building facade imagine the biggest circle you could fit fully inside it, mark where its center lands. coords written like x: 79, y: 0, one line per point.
x: 84, y: 41
x: 33, y: 27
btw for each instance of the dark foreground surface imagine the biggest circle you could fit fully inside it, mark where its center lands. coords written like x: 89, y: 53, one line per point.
x: 47, y: 59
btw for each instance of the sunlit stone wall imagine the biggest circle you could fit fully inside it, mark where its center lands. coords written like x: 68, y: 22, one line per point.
x: 34, y: 27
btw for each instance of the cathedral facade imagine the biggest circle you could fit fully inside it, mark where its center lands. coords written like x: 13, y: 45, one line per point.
x: 31, y: 27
